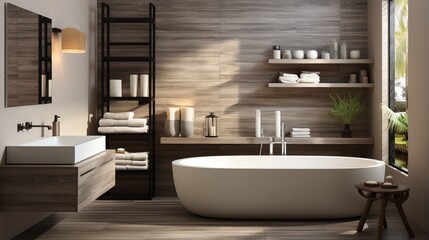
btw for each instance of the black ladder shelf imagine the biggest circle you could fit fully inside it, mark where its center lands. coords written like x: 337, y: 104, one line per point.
x: 122, y: 189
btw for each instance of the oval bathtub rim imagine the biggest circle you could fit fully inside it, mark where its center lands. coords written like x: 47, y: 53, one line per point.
x: 377, y: 163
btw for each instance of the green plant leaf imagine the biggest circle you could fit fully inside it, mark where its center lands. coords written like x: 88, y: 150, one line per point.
x: 347, y: 107
x: 397, y: 121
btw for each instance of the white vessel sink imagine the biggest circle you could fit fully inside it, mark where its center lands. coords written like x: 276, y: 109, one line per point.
x: 55, y: 150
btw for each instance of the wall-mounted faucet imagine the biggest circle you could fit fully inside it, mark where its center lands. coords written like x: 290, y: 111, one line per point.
x: 29, y: 125
x: 282, y: 142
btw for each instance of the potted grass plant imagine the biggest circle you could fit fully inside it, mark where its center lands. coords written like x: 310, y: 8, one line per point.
x: 346, y: 108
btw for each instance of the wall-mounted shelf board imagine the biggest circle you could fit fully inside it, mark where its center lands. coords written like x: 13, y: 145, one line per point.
x: 255, y: 140
x: 320, y: 61
x: 320, y: 85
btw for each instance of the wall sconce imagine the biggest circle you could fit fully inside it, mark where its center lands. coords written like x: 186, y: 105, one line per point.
x: 72, y: 40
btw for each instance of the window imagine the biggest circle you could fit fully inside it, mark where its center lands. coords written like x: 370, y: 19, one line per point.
x: 398, y: 82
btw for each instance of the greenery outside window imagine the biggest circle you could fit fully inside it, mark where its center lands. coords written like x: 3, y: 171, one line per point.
x: 398, y: 82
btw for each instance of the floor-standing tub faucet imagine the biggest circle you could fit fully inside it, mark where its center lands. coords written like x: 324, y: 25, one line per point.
x: 282, y: 141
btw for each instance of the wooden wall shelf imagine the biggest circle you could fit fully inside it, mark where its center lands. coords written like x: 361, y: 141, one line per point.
x: 320, y: 85
x: 254, y: 140
x: 320, y: 61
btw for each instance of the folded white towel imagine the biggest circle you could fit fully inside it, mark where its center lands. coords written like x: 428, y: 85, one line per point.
x: 288, y: 80
x: 128, y: 168
x: 311, y: 72
x: 121, y: 129
x: 309, y: 75
x: 309, y: 80
x: 131, y: 162
x: 135, y: 122
x: 302, y: 136
x: 121, y: 168
x: 119, y: 115
x: 135, y: 156
x: 294, y: 134
x: 289, y: 75
x: 131, y: 168
x: 300, y: 129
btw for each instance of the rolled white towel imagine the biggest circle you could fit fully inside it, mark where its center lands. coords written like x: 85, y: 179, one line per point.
x: 119, y: 115
x: 300, y: 129
x: 131, y: 162
x: 121, y: 129
x: 135, y: 122
x: 294, y: 134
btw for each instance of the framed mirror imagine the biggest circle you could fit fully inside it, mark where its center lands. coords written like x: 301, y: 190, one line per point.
x: 28, y: 58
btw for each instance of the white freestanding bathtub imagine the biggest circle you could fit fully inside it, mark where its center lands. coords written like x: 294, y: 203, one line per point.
x: 274, y: 187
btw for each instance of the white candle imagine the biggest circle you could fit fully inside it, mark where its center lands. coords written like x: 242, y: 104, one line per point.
x: 50, y: 88
x: 144, y: 85
x: 187, y: 113
x: 133, y: 85
x: 278, y: 118
x: 212, y: 131
x: 116, y: 88
x: 173, y: 113
x: 258, y: 123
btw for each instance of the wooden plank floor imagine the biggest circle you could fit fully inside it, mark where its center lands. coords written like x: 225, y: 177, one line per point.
x: 165, y: 218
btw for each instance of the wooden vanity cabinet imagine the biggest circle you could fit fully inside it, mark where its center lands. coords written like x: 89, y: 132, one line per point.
x: 56, y: 188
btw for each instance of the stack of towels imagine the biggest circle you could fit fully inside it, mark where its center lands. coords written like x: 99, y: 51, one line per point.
x: 122, y: 122
x: 305, y: 77
x: 309, y: 77
x: 288, y: 78
x: 300, y: 132
x: 126, y: 161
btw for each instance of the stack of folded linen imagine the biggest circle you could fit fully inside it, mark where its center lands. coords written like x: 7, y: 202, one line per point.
x: 300, y: 132
x: 309, y: 77
x: 288, y: 78
x: 122, y: 122
x: 131, y: 161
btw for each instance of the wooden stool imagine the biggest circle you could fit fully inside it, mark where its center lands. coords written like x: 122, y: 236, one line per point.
x: 396, y: 195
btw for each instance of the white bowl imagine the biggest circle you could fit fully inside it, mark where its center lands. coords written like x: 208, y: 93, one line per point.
x: 298, y: 54
x: 354, y: 54
x: 312, y: 54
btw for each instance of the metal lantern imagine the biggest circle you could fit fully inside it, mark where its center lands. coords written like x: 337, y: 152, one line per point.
x: 211, y: 125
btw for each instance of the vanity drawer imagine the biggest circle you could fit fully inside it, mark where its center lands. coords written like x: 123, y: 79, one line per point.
x: 94, y: 180
x: 56, y: 188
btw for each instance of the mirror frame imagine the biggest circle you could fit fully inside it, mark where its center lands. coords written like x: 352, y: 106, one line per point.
x: 44, y: 59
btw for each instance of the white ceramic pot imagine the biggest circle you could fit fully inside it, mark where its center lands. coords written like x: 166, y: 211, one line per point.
x: 354, y: 54
x: 298, y: 54
x: 312, y: 54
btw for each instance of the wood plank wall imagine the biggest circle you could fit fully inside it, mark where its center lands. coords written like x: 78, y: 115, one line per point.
x: 22, y: 32
x: 212, y: 54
